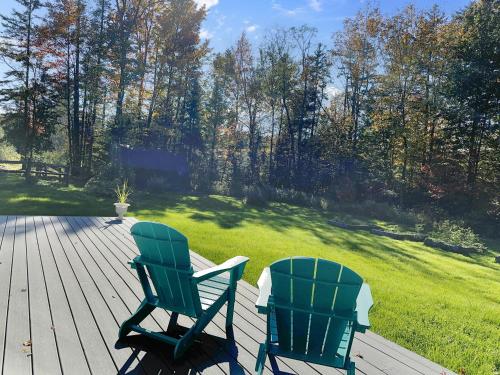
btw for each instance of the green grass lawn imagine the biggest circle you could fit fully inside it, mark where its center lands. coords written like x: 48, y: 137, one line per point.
x: 443, y: 306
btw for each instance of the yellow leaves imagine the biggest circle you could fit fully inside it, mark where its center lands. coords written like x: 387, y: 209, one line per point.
x: 372, y: 26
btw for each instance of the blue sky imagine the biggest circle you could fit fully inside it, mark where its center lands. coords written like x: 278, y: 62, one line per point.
x: 228, y: 18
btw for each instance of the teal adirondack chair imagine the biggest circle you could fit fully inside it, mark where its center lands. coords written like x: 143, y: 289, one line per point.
x: 177, y: 288
x: 313, y: 308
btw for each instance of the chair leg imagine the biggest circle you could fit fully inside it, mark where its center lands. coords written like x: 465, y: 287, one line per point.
x: 230, y: 308
x: 173, y: 321
x: 351, y: 369
x: 261, y: 359
x: 189, y: 336
x: 142, y: 312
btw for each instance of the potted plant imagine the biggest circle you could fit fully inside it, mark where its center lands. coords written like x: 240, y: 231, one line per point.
x: 122, y: 193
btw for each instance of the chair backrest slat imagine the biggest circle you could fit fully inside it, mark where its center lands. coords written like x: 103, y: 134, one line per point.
x: 302, y: 291
x: 282, y: 293
x: 344, y: 303
x: 315, y: 301
x: 323, y: 301
x: 170, y: 269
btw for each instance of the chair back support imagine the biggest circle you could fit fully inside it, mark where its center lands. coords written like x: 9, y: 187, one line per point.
x: 166, y: 254
x: 314, y: 302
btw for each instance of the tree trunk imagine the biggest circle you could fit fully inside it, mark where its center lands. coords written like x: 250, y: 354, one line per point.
x: 77, y: 144
x: 28, y: 152
x: 155, y: 91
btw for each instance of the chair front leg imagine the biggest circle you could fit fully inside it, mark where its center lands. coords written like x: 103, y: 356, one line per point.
x: 351, y: 368
x: 261, y: 359
x: 230, y: 306
x: 231, y: 298
x: 142, y: 312
x: 190, y: 335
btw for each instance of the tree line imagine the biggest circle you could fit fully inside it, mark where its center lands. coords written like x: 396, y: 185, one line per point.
x: 402, y: 107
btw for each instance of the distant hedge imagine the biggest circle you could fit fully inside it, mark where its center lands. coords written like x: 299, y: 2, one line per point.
x: 399, y: 236
x: 408, y: 237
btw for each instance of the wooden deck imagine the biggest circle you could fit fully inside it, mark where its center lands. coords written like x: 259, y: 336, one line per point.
x: 65, y: 287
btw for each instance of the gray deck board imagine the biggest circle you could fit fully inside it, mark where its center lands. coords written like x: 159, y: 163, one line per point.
x: 117, y: 310
x: 97, y: 354
x: 65, y: 286
x: 6, y: 251
x: 45, y: 352
x: 17, y: 357
x: 71, y: 353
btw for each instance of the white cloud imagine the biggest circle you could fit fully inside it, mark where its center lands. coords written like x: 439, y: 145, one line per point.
x: 208, y: 3
x: 285, y: 11
x: 315, y: 5
x: 205, y: 34
x: 251, y: 28
x: 221, y: 20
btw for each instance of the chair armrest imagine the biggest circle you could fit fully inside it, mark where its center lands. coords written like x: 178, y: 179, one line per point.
x: 364, y: 302
x: 139, y: 261
x: 236, y: 265
x: 265, y: 284
x: 133, y: 263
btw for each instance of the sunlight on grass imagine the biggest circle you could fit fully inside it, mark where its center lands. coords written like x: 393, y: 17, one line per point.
x: 26, y: 199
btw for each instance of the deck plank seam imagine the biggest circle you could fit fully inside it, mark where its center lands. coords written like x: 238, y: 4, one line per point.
x: 47, y: 295
x: 405, y: 353
x: 85, y: 297
x: 96, y: 286
x: 85, y: 354
x: 54, y: 287
x: 28, y: 296
x: 8, y: 300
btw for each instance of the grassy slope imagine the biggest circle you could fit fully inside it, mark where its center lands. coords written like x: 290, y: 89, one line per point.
x: 441, y: 305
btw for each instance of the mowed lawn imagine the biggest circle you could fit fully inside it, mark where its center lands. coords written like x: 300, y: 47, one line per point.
x: 443, y: 306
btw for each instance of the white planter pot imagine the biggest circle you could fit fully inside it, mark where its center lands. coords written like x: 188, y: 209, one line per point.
x: 121, y: 209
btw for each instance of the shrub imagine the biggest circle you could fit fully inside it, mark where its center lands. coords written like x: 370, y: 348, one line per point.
x: 220, y: 188
x: 255, y: 195
x: 104, y: 183
x: 456, y: 233
x: 102, y: 186
x: 259, y: 195
x: 385, y: 212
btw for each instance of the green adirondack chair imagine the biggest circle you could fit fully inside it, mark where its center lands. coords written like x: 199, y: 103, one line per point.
x: 313, y: 308
x: 177, y: 288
